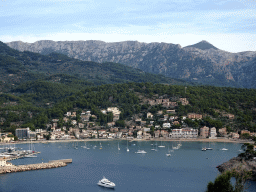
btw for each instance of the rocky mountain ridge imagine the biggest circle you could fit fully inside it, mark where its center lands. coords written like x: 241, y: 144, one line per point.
x: 208, y: 65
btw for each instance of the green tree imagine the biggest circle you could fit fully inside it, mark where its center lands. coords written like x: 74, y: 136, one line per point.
x: 16, y: 138
x: 222, y: 183
x: 152, y: 130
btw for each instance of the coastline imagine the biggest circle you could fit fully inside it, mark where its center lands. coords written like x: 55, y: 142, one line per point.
x: 219, y: 140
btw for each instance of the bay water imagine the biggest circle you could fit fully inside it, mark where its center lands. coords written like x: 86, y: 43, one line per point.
x: 187, y: 169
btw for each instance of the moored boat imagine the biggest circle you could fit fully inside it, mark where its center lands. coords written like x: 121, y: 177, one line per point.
x: 106, y: 183
x: 141, y: 151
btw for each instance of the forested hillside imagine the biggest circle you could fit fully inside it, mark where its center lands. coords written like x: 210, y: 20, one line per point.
x: 17, y: 68
x: 202, y: 63
x: 214, y: 103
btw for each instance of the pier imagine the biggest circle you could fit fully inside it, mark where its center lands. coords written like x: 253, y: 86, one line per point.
x: 38, y: 166
x: 62, y: 160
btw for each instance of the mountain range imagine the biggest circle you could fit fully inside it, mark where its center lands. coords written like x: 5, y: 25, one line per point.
x: 26, y: 72
x: 201, y: 63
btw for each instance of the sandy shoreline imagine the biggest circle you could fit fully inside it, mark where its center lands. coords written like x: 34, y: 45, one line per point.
x: 221, y: 140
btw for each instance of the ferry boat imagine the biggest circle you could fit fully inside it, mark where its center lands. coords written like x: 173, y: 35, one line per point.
x: 106, y: 183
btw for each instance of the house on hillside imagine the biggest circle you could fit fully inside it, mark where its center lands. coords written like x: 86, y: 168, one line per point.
x: 149, y: 115
x: 194, y: 116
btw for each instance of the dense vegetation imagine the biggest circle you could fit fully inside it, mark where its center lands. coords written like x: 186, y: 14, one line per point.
x: 36, y: 88
x: 212, y: 102
x: 16, y: 68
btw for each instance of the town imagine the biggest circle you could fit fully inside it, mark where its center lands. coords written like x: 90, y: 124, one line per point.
x: 83, y: 126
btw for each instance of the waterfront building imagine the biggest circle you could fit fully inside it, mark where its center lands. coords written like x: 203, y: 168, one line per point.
x: 184, y: 133
x: 3, y: 162
x: 204, y: 132
x: 157, y: 133
x: 139, y: 135
x: 22, y: 133
x: 223, y: 131
x: 176, y: 133
x: 164, y: 133
x: 189, y: 133
x: 234, y: 135
x: 213, y: 133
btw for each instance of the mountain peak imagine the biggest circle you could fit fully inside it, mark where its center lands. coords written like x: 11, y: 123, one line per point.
x: 203, y: 45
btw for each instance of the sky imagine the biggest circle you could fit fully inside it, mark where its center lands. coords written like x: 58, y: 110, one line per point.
x: 229, y: 25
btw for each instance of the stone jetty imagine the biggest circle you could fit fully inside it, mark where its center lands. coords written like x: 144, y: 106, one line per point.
x: 30, y: 167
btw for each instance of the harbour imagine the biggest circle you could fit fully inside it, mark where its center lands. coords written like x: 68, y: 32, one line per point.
x: 187, y: 169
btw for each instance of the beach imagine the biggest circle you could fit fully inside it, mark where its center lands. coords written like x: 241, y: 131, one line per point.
x: 221, y: 140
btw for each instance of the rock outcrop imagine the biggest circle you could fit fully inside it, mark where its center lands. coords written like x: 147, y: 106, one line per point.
x: 238, y: 163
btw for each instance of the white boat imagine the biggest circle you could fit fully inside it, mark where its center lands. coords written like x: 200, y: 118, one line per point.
x: 127, y: 147
x: 118, y: 147
x: 209, y: 148
x: 168, y: 154
x: 30, y: 156
x: 204, y: 149
x: 224, y: 149
x: 141, y: 151
x: 161, y: 145
x: 106, y: 183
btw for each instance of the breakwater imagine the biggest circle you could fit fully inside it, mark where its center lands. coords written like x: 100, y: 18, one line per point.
x: 38, y: 166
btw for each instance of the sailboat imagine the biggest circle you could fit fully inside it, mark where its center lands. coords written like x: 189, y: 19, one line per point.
x: 156, y: 147
x: 76, y: 146
x: 85, y: 146
x: 118, y: 147
x: 30, y: 151
x: 161, y: 145
x: 224, y: 149
x: 153, y: 149
x: 209, y: 148
x: 127, y: 146
x: 168, y: 154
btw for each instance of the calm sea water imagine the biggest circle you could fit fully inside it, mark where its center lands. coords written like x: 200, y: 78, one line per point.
x: 188, y: 168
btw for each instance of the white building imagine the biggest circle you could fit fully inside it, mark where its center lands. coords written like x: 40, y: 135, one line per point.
x: 213, y: 133
x: 114, y: 110
x: 166, y: 125
x: 146, y: 129
x: 176, y: 133
x: 184, y: 133
x: 3, y: 163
